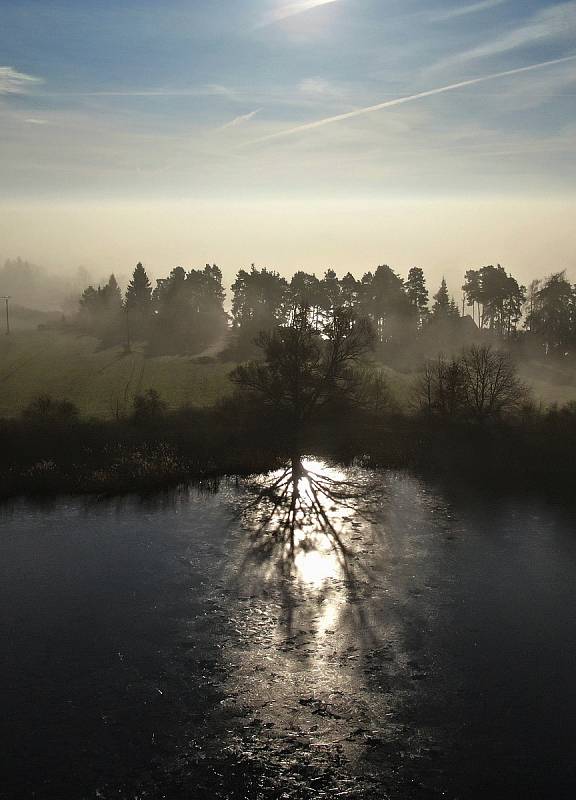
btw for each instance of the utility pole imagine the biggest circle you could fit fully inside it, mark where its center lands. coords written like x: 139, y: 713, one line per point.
x: 6, y: 299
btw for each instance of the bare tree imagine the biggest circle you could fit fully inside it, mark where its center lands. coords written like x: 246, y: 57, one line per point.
x: 440, y: 389
x: 481, y: 382
x: 491, y: 385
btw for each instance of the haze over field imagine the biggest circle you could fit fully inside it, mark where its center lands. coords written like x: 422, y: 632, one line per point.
x: 292, y: 134
x: 444, y: 235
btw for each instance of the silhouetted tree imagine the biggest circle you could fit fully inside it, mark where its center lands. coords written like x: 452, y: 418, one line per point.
x: 306, y: 291
x: 553, y: 314
x: 101, y: 311
x: 472, y: 291
x: 302, y: 370
x: 189, y: 313
x: 491, y: 386
x: 148, y: 407
x: 440, y: 389
x: 349, y: 291
x: 259, y: 298
x: 444, y: 308
x: 45, y: 410
x: 260, y: 301
x: 112, y: 296
x: 385, y: 302
x: 497, y: 296
x: 139, y: 291
x: 480, y: 383
x: 417, y: 292
x: 331, y: 294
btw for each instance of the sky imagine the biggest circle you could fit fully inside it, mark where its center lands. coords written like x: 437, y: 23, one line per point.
x: 291, y: 133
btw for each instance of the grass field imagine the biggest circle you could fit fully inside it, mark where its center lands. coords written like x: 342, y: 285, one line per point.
x: 100, y: 382
x: 104, y: 382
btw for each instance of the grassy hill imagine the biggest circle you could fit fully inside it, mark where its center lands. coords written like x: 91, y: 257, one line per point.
x: 100, y: 382
x: 103, y: 382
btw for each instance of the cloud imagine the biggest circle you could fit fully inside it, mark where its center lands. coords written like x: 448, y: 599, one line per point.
x: 14, y: 82
x: 551, y: 24
x: 461, y: 11
x: 286, y: 10
x: 240, y: 120
x: 320, y: 87
x: 210, y: 90
x: 407, y: 99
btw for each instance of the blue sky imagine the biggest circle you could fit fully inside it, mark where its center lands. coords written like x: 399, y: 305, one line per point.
x: 216, y: 99
x: 126, y: 98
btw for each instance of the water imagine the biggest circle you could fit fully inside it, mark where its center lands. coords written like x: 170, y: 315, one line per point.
x: 364, y: 637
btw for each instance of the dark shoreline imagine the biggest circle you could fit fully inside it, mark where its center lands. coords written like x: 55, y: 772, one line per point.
x: 534, y: 454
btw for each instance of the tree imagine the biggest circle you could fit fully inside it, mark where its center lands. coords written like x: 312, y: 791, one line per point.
x: 259, y: 298
x: 480, y: 383
x: 444, y: 307
x: 301, y: 370
x: 471, y: 289
x: 349, y: 289
x: 47, y: 411
x: 148, y: 407
x: 139, y: 291
x: 384, y: 301
x: 553, y: 314
x: 417, y: 292
x: 330, y: 293
x: 306, y: 290
x: 89, y: 301
x: 498, y: 297
x: 491, y: 386
x: 100, y: 310
x: 112, y: 296
x: 189, y: 313
x: 440, y: 390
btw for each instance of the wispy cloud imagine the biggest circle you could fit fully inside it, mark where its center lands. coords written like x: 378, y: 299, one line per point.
x: 211, y: 90
x: 320, y: 88
x: 234, y: 123
x: 14, y: 82
x: 407, y: 99
x: 285, y: 10
x: 551, y: 24
x: 462, y: 11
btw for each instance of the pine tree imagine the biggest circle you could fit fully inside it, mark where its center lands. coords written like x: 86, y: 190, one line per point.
x: 441, y: 307
x: 111, y: 295
x: 139, y: 291
x: 417, y: 292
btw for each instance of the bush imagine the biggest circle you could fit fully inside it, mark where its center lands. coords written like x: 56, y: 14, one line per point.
x: 47, y: 411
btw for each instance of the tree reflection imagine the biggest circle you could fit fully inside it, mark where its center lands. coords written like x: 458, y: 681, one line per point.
x: 302, y: 518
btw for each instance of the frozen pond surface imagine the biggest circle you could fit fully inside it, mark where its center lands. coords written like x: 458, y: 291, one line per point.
x: 367, y: 637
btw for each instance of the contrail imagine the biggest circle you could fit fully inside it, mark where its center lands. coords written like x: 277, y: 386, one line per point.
x: 291, y: 10
x: 408, y: 99
x: 239, y: 120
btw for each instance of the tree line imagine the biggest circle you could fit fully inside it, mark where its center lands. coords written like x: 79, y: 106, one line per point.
x: 184, y: 312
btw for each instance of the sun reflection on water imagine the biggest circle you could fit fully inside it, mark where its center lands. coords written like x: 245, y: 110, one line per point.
x: 301, y: 517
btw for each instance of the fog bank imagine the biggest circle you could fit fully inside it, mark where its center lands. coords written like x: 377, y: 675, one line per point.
x: 445, y: 236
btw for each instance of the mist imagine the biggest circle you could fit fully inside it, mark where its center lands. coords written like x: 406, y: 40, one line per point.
x: 530, y: 237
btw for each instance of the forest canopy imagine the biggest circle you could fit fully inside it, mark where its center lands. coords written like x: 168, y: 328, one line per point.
x: 186, y: 312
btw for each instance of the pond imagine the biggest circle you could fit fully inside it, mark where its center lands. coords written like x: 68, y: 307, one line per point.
x: 311, y: 633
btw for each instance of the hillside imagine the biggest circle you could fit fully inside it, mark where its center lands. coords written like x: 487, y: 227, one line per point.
x: 103, y: 382
x: 100, y: 382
